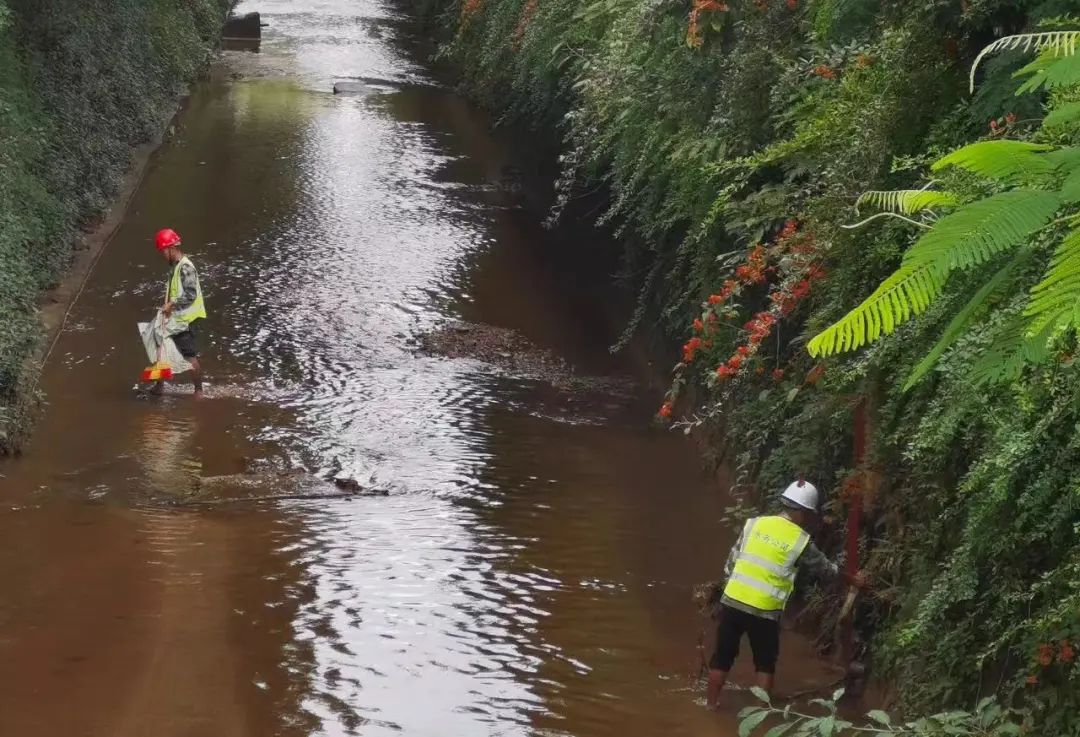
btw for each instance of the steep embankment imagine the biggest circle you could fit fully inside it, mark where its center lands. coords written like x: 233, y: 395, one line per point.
x: 734, y: 138
x: 81, y: 84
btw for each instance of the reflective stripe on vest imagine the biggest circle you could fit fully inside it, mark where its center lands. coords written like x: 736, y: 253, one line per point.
x: 174, y: 289
x: 764, y: 574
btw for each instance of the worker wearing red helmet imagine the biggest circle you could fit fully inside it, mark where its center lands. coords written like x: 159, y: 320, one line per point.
x: 183, y: 302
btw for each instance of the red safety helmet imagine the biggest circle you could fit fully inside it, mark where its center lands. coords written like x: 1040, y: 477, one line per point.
x: 167, y: 238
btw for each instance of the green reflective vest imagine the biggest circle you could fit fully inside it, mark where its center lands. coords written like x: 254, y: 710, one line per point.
x: 764, y: 573
x: 174, y: 289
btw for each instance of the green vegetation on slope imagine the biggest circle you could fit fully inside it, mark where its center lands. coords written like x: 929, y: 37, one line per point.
x: 80, y: 85
x: 736, y: 139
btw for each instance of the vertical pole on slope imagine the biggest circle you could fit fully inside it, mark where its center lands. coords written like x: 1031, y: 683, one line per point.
x: 854, y: 520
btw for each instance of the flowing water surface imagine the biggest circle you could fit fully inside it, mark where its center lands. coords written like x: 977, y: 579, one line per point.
x: 526, y: 567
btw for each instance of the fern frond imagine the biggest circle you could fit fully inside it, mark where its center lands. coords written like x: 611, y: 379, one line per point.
x: 908, y: 292
x: 597, y: 10
x: 1064, y: 73
x: 980, y: 230
x: 1062, y: 43
x: 972, y: 235
x: 1035, y: 72
x: 1004, y: 160
x: 1049, y: 71
x: 1064, y: 159
x: 1011, y: 350
x: 1055, y: 301
x: 1063, y: 115
x: 906, y: 201
x: 1070, y: 188
x: 966, y: 316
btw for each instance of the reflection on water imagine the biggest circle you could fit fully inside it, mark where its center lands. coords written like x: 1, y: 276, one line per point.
x: 529, y: 572
x: 423, y: 639
x: 169, y: 467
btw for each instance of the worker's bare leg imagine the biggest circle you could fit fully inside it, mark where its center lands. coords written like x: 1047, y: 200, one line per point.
x: 717, y: 679
x: 765, y: 682
x: 196, y: 377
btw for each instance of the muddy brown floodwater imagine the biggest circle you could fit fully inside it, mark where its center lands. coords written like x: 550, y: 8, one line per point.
x: 528, y: 569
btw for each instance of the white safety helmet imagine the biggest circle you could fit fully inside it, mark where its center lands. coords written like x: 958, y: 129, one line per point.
x: 801, y: 494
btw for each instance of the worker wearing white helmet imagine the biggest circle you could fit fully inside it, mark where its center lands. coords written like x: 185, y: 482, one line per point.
x: 760, y: 574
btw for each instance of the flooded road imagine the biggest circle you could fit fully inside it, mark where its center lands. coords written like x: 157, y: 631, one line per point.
x: 526, y: 567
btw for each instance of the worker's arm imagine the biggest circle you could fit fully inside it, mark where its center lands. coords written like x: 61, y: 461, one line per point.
x: 733, y: 556
x: 818, y: 565
x: 188, y: 290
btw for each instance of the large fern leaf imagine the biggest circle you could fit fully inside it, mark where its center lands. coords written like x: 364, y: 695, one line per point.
x: 1004, y: 160
x: 1050, y: 71
x: 972, y: 235
x: 1034, y: 72
x: 1064, y: 159
x: 966, y: 316
x: 980, y: 230
x: 1070, y: 188
x: 1055, y: 301
x: 1061, y: 43
x: 1011, y: 350
x: 1063, y: 73
x: 906, y: 201
x: 906, y: 293
x: 1063, y: 115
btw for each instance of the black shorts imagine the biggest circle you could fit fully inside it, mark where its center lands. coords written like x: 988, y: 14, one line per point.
x: 764, y: 640
x: 187, y: 342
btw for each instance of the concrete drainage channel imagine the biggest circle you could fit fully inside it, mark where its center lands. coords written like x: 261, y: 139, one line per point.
x: 244, y: 33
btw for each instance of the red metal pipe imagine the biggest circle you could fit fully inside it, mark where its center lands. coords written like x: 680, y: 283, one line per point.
x: 854, y: 518
x: 855, y: 489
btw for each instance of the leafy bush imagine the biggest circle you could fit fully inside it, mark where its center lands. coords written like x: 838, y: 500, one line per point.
x: 1021, y: 186
x: 988, y: 719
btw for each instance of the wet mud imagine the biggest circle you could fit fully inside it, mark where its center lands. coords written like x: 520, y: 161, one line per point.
x: 508, y: 351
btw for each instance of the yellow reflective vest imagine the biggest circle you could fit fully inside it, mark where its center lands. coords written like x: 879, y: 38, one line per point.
x: 764, y: 572
x: 174, y: 289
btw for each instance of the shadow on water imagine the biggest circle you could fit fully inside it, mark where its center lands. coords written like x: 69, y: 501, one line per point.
x: 529, y: 570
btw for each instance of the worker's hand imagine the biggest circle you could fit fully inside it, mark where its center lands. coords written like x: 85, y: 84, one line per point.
x: 861, y: 580
x: 167, y: 310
